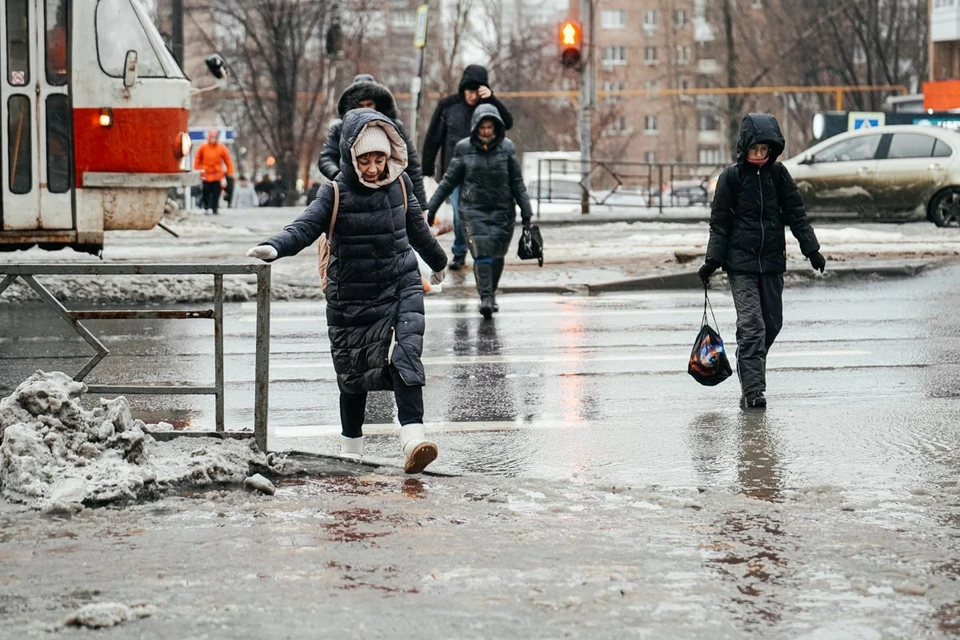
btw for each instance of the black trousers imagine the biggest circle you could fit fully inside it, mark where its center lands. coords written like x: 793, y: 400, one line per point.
x: 758, y: 298
x: 353, y: 406
x: 211, y: 195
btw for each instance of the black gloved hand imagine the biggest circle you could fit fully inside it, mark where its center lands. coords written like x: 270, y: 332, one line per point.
x: 709, y: 266
x: 431, y: 217
x: 818, y: 261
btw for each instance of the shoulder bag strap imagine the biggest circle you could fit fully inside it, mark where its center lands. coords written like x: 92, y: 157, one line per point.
x: 336, y: 208
x: 403, y: 189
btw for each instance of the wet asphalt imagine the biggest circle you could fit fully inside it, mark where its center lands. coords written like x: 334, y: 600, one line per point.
x: 862, y: 385
x: 604, y: 494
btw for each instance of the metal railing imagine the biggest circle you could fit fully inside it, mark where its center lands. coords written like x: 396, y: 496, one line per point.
x: 620, y: 183
x: 28, y: 273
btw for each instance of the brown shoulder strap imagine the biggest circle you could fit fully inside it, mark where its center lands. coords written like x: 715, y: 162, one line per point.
x: 336, y: 208
x: 403, y: 189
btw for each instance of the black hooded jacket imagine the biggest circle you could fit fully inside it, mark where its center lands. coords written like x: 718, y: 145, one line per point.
x: 753, y: 205
x: 374, y: 291
x: 452, y: 119
x: 364, y: 87
x: 491, y: 185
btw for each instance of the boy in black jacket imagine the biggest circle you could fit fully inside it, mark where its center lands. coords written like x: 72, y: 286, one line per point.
x: 755, y: 199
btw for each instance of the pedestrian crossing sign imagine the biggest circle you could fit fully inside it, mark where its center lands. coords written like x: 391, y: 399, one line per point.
x: 865, y: 120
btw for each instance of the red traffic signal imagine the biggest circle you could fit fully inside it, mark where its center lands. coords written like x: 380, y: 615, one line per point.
x: 571, y: 43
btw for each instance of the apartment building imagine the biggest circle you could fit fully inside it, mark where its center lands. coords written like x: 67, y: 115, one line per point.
x: 654, y: 50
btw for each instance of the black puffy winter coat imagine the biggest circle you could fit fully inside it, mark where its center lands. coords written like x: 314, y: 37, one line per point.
x: 451, y: 121
x: 374, y: 291
x: 491, y: 185
x: 753, y: 205
x: 365, y: 88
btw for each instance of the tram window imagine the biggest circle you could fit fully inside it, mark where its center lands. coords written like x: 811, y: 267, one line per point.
x: 119, y: 30
x: 19, y: 144
x: 56, y: 41
x: 58, y: 143
x: 18, y: 42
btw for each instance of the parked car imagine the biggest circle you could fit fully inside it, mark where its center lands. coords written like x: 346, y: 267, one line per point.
x: 562, y: 194
x: 895, y: 172
x: 681, y: 193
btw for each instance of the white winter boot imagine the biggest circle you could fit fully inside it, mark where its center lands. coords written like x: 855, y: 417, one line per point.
x: 351, y: 447
x: 418, y: 453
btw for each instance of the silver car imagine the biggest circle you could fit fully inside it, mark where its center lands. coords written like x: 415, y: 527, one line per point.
x: 898, y: 172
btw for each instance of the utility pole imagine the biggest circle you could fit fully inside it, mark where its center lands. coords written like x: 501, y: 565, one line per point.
x: 416, y: 85
x: 176, y: 29
x: 588, y: 93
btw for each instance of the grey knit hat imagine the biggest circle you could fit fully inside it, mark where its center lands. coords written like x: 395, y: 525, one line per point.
x: 372, y: 138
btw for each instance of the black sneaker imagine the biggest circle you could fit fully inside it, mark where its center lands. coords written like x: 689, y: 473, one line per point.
x: 753, y: 402
x: 457, y: 263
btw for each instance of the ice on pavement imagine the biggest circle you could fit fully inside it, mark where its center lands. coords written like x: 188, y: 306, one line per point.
x: 57, y: 455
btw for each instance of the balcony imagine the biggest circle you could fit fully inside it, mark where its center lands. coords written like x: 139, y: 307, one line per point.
x: 708, y: 66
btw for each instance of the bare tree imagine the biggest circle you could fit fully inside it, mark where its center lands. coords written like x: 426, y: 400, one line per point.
x: 276, y: 52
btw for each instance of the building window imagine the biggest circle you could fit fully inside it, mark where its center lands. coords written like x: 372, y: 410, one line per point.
x: 758, y: 4
x: 679, y: 19
x: 650, y: 124
x: 652, y: 85
x: 683, y: 54
x: 709, y: 155
x: 613, y: 86
x: 650, y: 157
x: 683, y: 84
x: 613, y: 19
x: 709, y: 122
x: 404, y: 19
x: 617, y: 126
x: 650, y: 55
x: 650, y: 19
x: 614, y: 56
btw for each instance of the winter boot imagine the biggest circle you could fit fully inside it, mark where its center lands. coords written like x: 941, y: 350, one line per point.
x: 457, y: 263
x: 351, y: 447
x: 497, y: 272
x: 753, y: 401
x: 417, y: 452
x: 483, y: 272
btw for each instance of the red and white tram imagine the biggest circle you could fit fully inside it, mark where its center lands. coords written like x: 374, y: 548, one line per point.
x: 94, y: 122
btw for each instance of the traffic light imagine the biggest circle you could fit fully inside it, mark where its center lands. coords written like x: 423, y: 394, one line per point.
x: 571, y: 43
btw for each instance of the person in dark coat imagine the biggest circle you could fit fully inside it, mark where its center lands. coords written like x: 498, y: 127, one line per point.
x: 452, y: 122
x: 367, y: 93
x: 374, y: 293
x: 486, y: 169
x: 755, y: 199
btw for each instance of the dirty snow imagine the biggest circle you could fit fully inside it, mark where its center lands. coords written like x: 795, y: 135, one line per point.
x: 100, y: 615
x: 55, y: 455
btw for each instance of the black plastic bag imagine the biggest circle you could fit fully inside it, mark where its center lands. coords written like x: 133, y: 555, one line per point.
x: 531, y: 244
x: 708, y: 362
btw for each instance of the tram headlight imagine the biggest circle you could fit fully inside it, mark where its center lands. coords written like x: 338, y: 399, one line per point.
x: 184, y: 144
x: 106, y: 117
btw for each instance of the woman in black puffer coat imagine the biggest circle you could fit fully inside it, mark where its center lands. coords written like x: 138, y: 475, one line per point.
x: 375, y: 314
x: 756, y: 200
x: 367, y: 92
x: 486, y: 169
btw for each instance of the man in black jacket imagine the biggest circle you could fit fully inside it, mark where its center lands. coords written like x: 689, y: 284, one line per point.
x: 755, y: 199
x: 452, y: 122
x: 367, y: 93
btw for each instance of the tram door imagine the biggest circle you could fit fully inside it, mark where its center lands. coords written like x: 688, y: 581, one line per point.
x: 37, y: 151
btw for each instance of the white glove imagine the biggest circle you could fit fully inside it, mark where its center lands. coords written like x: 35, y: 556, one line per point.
x: 263, y: 252
x: 437, y: 276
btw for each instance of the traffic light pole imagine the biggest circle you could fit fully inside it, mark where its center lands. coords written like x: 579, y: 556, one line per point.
x: 588, y: 94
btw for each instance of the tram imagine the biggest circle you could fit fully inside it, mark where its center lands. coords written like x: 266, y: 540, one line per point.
x: 94, y: 122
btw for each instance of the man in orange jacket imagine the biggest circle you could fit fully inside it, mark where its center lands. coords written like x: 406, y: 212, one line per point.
x: 210, y: 160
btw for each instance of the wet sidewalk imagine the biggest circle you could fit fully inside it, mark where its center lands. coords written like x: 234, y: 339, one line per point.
x: 369, y: 553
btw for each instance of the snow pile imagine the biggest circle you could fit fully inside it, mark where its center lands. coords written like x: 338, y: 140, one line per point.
x: 57, y: 455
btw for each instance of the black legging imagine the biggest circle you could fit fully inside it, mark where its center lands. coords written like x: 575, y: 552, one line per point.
x: 211, y: 195
x: 353, y: 406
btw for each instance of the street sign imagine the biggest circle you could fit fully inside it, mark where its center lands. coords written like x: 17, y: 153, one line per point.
x: 865, y: 120
x: 420, y: 35
x: 199, y: 134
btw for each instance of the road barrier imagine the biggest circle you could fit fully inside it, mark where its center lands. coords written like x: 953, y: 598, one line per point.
x: 28, y: 273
